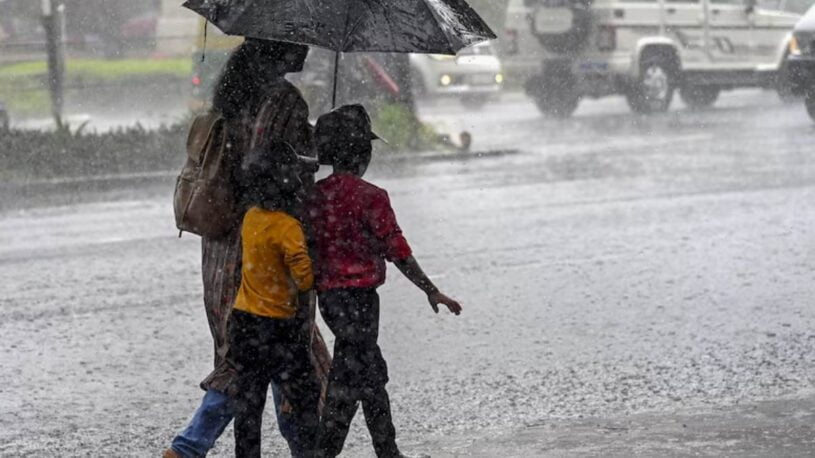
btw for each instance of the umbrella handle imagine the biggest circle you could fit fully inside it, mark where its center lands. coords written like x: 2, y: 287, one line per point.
x: 336, y: 72
x: 204, y: 47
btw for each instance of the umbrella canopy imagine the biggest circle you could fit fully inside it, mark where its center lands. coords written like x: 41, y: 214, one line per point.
x: 402, y: 26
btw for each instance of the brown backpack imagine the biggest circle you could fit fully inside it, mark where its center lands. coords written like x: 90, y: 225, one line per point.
x: 205, y: 200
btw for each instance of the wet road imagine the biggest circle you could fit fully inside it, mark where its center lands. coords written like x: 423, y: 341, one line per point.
x: 615, y: 264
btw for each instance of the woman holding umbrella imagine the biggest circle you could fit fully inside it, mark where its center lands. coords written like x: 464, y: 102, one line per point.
x: 401, y: 26
x: 261, y: 108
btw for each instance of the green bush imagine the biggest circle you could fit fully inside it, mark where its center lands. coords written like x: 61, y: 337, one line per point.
x: 403, y: 130
x: 26, y: 155
x: 69, y: 151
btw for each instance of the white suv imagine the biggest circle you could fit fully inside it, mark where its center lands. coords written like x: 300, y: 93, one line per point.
x: 647, y: 49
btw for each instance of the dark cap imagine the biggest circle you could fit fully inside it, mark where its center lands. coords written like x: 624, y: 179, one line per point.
x: 348, y: 122
x: 338, y: 131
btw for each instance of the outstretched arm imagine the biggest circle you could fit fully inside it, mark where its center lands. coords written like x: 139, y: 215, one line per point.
x: 382, y: 223
x: 411, y: 269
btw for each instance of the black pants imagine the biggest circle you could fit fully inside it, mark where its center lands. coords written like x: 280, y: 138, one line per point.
x: 263, y: 350
x: 358, y: 372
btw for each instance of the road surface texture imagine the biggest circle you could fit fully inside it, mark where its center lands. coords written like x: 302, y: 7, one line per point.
x: 632, y: 286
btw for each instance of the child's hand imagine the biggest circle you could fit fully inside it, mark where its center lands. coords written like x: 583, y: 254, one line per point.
x: 438, y: 298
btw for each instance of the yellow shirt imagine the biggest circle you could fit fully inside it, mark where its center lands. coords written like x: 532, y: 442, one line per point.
x: 276, y: 264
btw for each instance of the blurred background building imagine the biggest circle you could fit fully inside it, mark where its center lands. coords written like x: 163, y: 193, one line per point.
x: 103, y: 28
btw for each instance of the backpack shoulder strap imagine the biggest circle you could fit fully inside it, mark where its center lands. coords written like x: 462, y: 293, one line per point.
x: 201, y: 132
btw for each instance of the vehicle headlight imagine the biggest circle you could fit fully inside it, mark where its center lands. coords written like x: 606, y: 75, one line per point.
x: 446, y: 80
x: 795, y: 49
x: 499, y: 78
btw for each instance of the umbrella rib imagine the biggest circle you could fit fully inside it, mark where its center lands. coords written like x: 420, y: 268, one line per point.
x: 360, y: 19
x: 237, y: 20
x: 386, y: 15
x: 350, y: 32
x: 434, y: 13
x: 345, y: 31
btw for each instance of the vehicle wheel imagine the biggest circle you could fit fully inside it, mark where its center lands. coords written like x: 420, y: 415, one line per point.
x: 783, y: 85
x: 555, y: 94
x: 474, y: 102
x: 558, y: 105
x: 810, y: 104
x: 699, y: 96
x: 654, y: 91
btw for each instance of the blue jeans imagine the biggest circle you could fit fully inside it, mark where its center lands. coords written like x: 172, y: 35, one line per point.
x: 212, y: 418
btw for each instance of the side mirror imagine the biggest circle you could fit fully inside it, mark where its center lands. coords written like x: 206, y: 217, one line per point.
x: 750, y: 6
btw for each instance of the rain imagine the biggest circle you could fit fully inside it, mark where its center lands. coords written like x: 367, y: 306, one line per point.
x: 539, y: 228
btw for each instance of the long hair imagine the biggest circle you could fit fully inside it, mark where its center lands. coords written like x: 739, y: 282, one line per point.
x: 249, y: 72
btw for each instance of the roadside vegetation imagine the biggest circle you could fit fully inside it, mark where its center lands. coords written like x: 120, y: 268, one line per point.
x: 24, y: 86
x: 71, y: 152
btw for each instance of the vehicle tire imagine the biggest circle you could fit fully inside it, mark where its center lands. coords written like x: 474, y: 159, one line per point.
x: 474, y: 102
x: 696, y: 97
x: 557, y: 105
x: 809, y: 101
x: 555, y: 94
x: 784, y: 85
x: 654, y: 90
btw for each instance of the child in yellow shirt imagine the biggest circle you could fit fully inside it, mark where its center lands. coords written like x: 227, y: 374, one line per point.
x: 267, y: 341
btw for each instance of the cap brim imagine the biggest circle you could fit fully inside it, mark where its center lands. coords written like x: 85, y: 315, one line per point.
x: 312, y: 163
x: 374, y: 136
x: 306, y: 159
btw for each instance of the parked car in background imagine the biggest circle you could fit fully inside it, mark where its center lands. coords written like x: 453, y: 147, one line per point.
x: 801, y: 60
x: 647, y: 50
x: 475, y: 76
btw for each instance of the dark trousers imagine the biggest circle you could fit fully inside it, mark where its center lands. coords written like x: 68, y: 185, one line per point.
x: 358, y: 372
x: 265, y: 350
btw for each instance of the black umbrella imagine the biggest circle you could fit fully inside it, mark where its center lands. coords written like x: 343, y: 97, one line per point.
x: 403, y: 26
